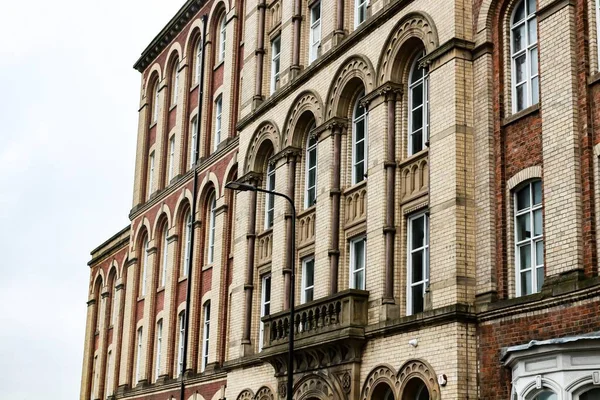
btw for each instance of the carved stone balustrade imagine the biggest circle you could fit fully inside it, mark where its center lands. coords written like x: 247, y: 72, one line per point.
x: 414, y: 176
x: 306, y: 227
x: 328, y: 331
x: 355, y: 204
x: 264, y: 247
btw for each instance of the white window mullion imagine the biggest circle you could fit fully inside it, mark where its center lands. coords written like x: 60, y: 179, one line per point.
x: 188, y: 243
x: 270, y: 198
x: 151, y: 174
x: 138, y: 372
x: 144, y: 267
x: 359, y: 142
x: 360, y: 12
x: 194, y: 134
x: 171, y: 157
x: 524, y: 56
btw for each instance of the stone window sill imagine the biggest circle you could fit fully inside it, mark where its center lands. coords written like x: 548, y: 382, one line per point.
x: 521, y: 114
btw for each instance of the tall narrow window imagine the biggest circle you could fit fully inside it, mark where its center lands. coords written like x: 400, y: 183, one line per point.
x: 524, y: 55
x: 275, y: 53
x: 265, y: 307
x: 109, y: 374
x: 418, y: 263
x: 315, y: 32
x: 308, y: 280
x: 150, y: 174
x: 194, y: 135
x: 211, y: 228
x: 155, y: 103
x: 529, y: 239
x: 171, y: 157
x: 310, y: 196
x: 165, y: 256
x: 94, y: 378
x: 181, y: 343
x: 206, y: 335
x: 158, y: 349
x: 175, y: 81
x: 360, y: 11
x: 357, y: 263
x: 418, y: 117
x: 218, y: 114
x: 270, y: 198
x: 188, y: 243
x: 359, y: 141
x: 223, y: 39
x: 144, y: 267
x: 138, y: 356
x: 198, y: 60
x: 113, y: 304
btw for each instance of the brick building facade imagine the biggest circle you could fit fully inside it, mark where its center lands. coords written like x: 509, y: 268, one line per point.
x: 443, y: 160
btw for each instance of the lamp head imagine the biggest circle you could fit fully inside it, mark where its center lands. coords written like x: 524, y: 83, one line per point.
x: 240, y: 186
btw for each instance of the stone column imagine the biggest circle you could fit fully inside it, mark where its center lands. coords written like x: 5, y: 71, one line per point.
x: 296, y: 20
x: 260, y: 54
x: 88, y: 351
x: 142, y: 145
x: 289, y: 235
x: 149, y: 312
x: 117, y: 332
x: 248, y: 284
x: 339, y: 33
x: 103, y: 339
x: 129, y: 331
x: 560, y: 139
x: 195, y: 306
x: 170, y: 306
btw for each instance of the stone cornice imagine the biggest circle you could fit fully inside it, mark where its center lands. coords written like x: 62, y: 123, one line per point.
x: 289, y: 151
x: 445, y: 48
x: 330, y: 124
x: 384, y: 90
x: 168, y: 33
x: 111, y: 246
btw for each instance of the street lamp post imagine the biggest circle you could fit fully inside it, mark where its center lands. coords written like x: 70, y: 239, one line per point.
x: 245, y: 187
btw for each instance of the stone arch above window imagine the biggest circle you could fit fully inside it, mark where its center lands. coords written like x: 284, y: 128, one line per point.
x: 524, y: 175
x: 345, y: 85
x: 307, y: 101
x: 418, y: 369
x: 382, y: 374
x: 414, y: 27
x: 246, y: 394
x: 255, y: 159
x: 264, y: 393
x: 316, y: 386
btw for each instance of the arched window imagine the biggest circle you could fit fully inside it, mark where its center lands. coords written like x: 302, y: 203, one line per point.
x: 270, y: 198
x: 198, y: 60
x: 165, y: 256
x: 181, y: 341
x: 113, y: 305
x: 144, y: 267
x: 138, y: 356
x: 545, y: 395
x: 175, y: 83
x: 94, y: 378
x: 265, y: 306
x: 109, y: 374
x: 418, y: 117
x: 222, y: 38
x: 155, y: 100
x: 529, y: 239
x: 159, y: 326
x: 194, y: 135
x: 418, y: 263
x: 206, y: 335
x: 150, y: 174
x: 416, y: 390
x: 171, y: 159
x: 310, y: 191
x: 212, y: 203
x: 218, y: 115
x: 188, y: 243
x: 359, y: 141
x: 524, y: 55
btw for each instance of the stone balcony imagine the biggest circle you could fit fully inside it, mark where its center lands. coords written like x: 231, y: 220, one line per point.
x: 328, y: 331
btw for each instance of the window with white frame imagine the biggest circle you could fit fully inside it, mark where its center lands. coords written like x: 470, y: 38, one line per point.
x: 265, y: 306
x: 188, y: 243
x: 359, y: 141
x: 418, y: 263
x: 158, y: 349
x: 308, y: 280
x: 269, y: 197
x: 315, y: 32
x: 275, y: 55
x: 358, y: 254
x: 181, y: 343
x: 109, y: 374
x: 175, y: 84
x: 310, y: 191
x: 171, y: 157
x: 206, y: 335
x: 198, y: 61
x: 211, y: 228
x: 165, y: 256
x: 138, y: 356
x: 418, y: 116
x: 218, y: 114
x: 223, y: 38
x: 144, y: 267
x: 529, y: 238
x: 113, y: 303
x: 194, y: 135
x: 360, y: 12
x: 150, y: 174
x: 155, y: 103
x: 94, y: 378
x: 524, y: 55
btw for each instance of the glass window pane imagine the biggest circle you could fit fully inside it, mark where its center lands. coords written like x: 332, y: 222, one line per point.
x: 417, y: 266
x: 523, y: 198
x: 312, y: 158
x: 312, y: 176
x: 533, y: 56
x: 519, y: 12
x: 532, y: 29
x: 523, y: 227
x: 268, y: 289
x: 520, y: 70
x: 537, y: 192
x: 535, y: 91
x: 521, y: 97
x: 417, y: 141
x: 359, y: 172
x: 417, y: 96
x: 418, y: 232
x: 525, y: 283
x: 417, y: 298
x: 359, y: 128
x: 417, y: 119
x: 518, y: 38
x: 359, y: 281
x: 359, y: 254
x: 360, y: 152
x: 593, y: 394
x: 309, y: 295
x: 537, y: 222
x: 310, y: 273
x: 312, y: 196
x: 539, y: 252
x: 540, y: 278
x: 546, y: 396
x: 531, y: 7
x: 525, y: 256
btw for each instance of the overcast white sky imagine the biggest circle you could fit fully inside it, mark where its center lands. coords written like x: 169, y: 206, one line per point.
x: 68, y: 123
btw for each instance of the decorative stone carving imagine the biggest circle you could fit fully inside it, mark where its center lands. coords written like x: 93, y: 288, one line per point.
x: 314, y: 386
x: 246, y: 395
x: 355, y: 67
x: 264, y: 393
x: 419, y: 369
x: 346, y: 382
x: 267, y: 131
x: 382, y: 373
x: 305, y: 101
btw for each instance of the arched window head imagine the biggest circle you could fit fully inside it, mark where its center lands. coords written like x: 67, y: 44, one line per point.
x: 545, y: 395
x: 165, y: 255
x: 524, y: 55
x: 188, y: 243
x: 270, y: 198
x: 175, y: 83
x: 205, y: 334
x: 218, y: 121
x: 310, y: 191
x: 198, y: 60
x: 181, y: 341
x: 222, y: 37
x: 144, y: 267
x: 155, y: 100
x: 194, y: 136
x: 212, y: 211
x: 359, y: 141
x: 418, y: 117
x: 529, y: 239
